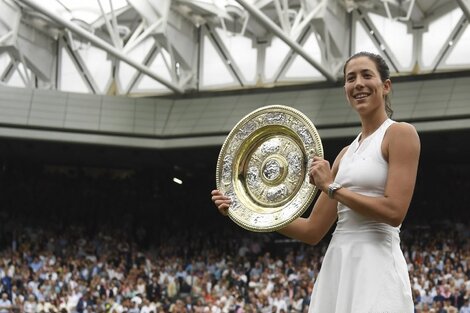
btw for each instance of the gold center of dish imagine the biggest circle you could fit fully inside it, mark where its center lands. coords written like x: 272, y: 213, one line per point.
x: 270, y: 173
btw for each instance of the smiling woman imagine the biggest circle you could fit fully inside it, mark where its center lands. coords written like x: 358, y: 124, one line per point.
x: 368, y: 191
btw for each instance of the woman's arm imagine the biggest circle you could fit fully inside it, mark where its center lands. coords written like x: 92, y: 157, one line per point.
x: 401, y: 147
x: 309, y: 230
x: 312, y: 229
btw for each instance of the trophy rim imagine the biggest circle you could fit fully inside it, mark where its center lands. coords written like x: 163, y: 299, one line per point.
x: 308, y: 190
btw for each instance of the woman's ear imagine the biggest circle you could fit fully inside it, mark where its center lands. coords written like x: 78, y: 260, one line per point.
x: 387, y: 86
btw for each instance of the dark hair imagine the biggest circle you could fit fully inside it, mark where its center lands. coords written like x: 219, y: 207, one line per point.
x: 382, y: 68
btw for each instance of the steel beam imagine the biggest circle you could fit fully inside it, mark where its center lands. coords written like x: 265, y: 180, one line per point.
x: 450, y: 42
x: 268, y: 23
x: 225, y: 55
x: 465, y: 6
x: 378, y: 40
x: 102, y: 44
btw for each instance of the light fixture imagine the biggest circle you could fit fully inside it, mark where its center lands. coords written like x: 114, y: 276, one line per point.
x: 177, y: 180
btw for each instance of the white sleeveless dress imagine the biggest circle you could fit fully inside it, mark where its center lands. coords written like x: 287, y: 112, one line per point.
x: 363, y: 270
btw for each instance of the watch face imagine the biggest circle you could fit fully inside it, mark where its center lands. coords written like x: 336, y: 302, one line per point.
x: 333, y: 186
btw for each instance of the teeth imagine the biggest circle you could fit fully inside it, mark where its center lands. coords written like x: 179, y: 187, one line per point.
x: 360, y: 96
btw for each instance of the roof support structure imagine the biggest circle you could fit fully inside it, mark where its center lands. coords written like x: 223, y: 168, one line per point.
x: 465, y: 6
x: 146, y: 61
x: 158, y: 48
x: 102, y: 44
x: 289, y: 58
x: 268, y: 23
x: 225, y: 55
x: 79, y: 64
x: 378, y: 40
x: 454, y: 36
x: 8, y: 72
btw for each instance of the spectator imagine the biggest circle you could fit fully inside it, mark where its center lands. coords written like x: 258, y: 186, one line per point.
x: 30, y: 304
x: 465, y: 307
x: 5, y: 303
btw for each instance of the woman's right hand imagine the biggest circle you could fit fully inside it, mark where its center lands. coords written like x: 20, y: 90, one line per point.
x: 221, y: 202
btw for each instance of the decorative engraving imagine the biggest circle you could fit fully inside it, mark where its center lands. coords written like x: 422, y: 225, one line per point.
x: 246, y: 130
x: 276, y: 193
x: 275, y: 118
x: 227, y: 169
x: 252, y: 177
x: 263, y: 167
x: 271, y: 146
x: 295, y: 162
x: 272, y: 169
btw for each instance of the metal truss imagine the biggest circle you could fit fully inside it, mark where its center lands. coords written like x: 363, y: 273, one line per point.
x: 162, y: 41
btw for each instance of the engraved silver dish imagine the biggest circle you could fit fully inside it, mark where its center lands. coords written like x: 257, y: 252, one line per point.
x: 263, y: 167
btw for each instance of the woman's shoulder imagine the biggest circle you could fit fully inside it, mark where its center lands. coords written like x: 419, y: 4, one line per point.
x: 401, y: 129
x: 401, y: 134
x: 343, y: 151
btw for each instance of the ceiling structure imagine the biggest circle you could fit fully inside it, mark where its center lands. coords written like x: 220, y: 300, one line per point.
x: 178, y: 47
x: 171, y: 48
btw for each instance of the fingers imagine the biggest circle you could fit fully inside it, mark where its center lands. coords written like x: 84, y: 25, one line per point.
x: 221, y: 202
x: 313, y: 170
x: 223, y: 208
x: 319, y: 171
x: 311, y: 179
x: 317, y: 158
x: 217, y: 195
x: 216, y: 192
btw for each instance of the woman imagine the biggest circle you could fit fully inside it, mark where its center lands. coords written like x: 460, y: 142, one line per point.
x: 368, y: 191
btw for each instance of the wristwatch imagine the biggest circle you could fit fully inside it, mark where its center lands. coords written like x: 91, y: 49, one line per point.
x: 332, y: 188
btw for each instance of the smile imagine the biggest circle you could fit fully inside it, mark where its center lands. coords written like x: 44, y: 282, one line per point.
x: 360, y: 96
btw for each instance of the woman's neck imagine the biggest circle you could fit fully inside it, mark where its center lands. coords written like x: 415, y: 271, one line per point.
x: 370, y: 125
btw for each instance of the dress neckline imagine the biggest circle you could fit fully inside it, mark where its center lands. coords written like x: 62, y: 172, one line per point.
x: 360, y: 142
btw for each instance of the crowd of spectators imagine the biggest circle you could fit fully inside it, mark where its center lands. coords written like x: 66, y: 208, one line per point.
x: 88, y: 242
x: 70, y: 270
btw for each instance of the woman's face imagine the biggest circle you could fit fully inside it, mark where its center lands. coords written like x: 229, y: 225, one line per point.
x: 363, y: 86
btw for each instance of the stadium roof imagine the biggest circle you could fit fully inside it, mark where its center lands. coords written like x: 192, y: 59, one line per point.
x: 165, y: 47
